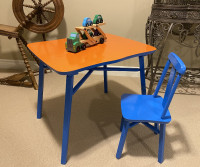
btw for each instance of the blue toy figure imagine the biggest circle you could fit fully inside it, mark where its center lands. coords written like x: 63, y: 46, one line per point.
x: 87, y: 22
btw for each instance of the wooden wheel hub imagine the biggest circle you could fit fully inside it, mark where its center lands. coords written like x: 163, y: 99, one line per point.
x: 49, y: 14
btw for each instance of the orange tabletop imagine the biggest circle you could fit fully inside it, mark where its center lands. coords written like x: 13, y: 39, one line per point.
x: 115, y: 49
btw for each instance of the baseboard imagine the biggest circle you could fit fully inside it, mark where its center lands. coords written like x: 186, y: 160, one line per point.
x: 18, y: 65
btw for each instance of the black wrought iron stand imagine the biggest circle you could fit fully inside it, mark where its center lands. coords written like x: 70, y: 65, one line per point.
x: 177, y: 20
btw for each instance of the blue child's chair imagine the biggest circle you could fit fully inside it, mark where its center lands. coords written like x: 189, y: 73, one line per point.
x: 151, y: 108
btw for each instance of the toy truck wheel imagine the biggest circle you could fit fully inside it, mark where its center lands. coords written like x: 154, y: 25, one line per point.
x: 78, y: 49
x: 87, y: 25
x: 101, y: 21
x: 83, y: 47
x: 97, y: 22
x: 101, y: 41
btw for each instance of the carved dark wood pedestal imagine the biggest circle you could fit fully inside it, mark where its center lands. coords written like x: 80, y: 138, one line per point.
x: 177, y: 19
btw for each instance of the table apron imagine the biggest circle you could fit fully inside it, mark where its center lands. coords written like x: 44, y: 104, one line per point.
x: 80, y: 83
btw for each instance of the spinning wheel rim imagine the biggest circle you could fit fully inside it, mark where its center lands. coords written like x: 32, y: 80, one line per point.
x: 18, y: 10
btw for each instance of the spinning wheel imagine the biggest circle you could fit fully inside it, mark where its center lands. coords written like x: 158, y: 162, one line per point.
x: 48, y: 14
x: 39, y: 16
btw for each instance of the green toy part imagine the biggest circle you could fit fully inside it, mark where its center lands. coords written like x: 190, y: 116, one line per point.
x: 98, y: 19
x: 73, y: 43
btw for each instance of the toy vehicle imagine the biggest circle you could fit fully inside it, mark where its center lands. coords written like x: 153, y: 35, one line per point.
x: 85, y: 36
x: 73, y: 43
x: 88, y: 39
x: 90, y: 32
x: 98, y: 19
x: 87, y: 22
x: 96, y: 32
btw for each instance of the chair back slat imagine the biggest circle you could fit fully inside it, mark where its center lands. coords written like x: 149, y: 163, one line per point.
x: 168, y: 101
x: 169, y: 85
x: 177, y: 70
x: 162, y: 78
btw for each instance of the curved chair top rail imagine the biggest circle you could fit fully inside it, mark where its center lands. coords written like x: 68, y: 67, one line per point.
x: 177, y: 63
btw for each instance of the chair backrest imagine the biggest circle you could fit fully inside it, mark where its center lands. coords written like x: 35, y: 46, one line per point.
x: 177, y: 70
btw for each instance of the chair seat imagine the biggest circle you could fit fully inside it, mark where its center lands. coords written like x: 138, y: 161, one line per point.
x: 143, y: 108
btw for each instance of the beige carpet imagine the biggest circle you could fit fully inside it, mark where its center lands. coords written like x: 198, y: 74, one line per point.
x: 94, y: 130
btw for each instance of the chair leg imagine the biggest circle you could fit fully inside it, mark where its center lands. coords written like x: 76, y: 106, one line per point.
x: 161, y: 143
x: 122, y: 122
x: 122, y: 139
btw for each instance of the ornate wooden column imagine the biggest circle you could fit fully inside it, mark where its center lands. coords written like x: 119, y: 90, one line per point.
x: 177, y: 19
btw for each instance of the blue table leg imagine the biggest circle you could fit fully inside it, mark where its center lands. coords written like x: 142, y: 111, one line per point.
x: 142, y: 75
x: 156, y: 125
x: 67, y: 115
x: 105, y: 80
x: 40, y: 90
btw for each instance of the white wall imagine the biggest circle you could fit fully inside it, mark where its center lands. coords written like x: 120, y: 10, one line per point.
x: 125, y: 18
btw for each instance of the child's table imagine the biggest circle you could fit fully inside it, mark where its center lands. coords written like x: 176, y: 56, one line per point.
x: 53, y: 54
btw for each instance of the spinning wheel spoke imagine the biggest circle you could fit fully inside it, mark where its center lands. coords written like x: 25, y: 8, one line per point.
x: 38, y: 20
x: 41, y: 22
x: 32, y: 16
x: 48, y: 2
x: 49, y: 10
x: 34, y: 2
x: 29, y: 6
x: 45, y: 17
